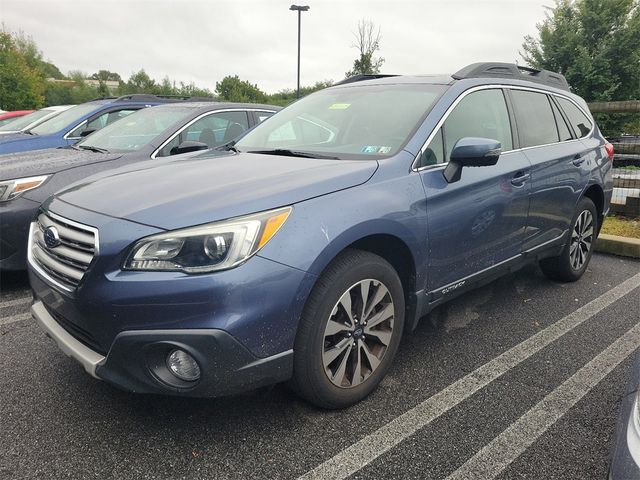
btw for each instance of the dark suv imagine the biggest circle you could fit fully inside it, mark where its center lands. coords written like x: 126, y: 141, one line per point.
x: 305, y: 251
x: 178, y: 129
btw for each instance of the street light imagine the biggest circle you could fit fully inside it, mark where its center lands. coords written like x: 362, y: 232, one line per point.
x: 299, y: 9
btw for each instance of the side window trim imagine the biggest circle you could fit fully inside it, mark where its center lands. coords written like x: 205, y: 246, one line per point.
x: 563, y: 116
x: 450, y: 108
x: 515, y: 139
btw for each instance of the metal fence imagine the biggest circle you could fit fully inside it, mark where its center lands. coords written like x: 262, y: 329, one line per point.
x: 626, y: 161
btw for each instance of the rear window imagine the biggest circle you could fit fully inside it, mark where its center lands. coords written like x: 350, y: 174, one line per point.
x: 536, y: 123
x: 578, y: 120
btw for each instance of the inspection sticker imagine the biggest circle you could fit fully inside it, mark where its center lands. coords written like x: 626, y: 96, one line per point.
x: 375, y: 149
x: 339, y: 106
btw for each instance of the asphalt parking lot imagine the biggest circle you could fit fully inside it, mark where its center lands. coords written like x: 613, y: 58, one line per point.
x: 520, y: 379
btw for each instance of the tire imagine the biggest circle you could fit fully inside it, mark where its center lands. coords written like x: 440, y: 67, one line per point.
x: 571, y: 264
x: 329, y: 371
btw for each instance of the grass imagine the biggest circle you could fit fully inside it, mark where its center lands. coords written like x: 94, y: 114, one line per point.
x: 622, y: 226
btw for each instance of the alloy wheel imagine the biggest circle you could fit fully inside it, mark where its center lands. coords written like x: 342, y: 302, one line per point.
x: 358, y: 333
x: 581, y: 240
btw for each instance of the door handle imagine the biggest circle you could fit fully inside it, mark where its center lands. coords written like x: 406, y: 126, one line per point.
x: 519, y: 179
x: 578, y: 160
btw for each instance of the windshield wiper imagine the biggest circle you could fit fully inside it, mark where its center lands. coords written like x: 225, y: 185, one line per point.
x: 228, y: 147
x: 28, y: 132
x: 93, y: 149
x: 293, y: 153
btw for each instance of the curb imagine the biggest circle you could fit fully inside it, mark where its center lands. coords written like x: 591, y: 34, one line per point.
x: 624, y: 246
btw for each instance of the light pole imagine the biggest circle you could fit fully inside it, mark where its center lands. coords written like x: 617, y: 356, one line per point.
x: 299, y: 9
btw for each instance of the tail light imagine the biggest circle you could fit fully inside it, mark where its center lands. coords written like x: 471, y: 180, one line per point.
x: 609, y: 148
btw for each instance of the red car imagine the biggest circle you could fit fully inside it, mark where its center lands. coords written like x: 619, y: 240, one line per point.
x: 7, y: 117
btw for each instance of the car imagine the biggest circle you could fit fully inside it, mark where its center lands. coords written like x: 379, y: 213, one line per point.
x: 71, y: 125
x: 305, y: 252
x: 33, y: 119
x: 156, y: 133
x: 8, y: 117
x: 625, y: 460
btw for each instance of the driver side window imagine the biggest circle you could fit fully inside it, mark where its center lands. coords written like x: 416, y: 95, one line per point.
x: 214, y: 130
x: 480, y: 114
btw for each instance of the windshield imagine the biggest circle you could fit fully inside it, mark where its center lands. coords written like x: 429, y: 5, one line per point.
x: 347, y: 123
x: 68, y: 118
x: 21, y: 122
x: 136, y: 130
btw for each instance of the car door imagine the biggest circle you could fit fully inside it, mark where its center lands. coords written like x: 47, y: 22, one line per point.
x: 558, y: 168
x: 479, y: 221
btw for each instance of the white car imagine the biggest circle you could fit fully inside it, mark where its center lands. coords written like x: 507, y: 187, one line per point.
x: 33, y: 119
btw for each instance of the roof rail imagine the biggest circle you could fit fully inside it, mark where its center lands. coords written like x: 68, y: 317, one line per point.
x: 360, y: 78
x: 147, y: 97
x: 511, y: 70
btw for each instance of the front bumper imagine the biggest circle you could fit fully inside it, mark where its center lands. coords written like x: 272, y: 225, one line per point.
x: 136, y: 360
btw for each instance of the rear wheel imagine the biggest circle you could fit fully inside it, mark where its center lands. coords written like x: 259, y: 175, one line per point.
x: 571, y: 264
x: 349, y: 331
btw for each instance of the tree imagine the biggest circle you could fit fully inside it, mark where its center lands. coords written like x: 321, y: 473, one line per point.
x: 140, y: 82
x: 232, y: 89
x: 21, y: 86
x: 367, y: 43
x: 595, y: 44
x: 285, y: 97
x: 106, y: 76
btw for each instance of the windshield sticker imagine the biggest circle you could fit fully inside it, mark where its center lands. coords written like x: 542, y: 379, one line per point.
x: 375, y: 149
x: 339, y: 106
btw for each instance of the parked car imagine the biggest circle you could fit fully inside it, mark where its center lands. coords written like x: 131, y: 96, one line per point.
x: 33, y: 119
x: 625, y: 462
x: 27, y: 179
x: 77, y: 122
x: 8, y: 117
x: 326, y: 232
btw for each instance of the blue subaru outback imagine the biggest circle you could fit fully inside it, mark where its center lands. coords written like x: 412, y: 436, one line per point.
x: 305, y: 250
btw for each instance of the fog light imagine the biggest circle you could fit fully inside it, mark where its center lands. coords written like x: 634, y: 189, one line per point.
x: 183, y: 365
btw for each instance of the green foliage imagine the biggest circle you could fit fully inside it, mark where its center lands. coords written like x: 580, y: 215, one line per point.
x: 21, y: 85
x: 287, y: 96
x: 595, y: 44
x: 106, y: 75
x: 232, y: 89
x: 367, y: 43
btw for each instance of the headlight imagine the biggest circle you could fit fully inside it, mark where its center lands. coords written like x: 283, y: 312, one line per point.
x: 10, y: 189
x: 206, y: 248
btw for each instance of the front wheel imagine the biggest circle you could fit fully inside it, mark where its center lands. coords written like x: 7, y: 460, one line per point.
x: 571, y: 264
x: 349, y: 331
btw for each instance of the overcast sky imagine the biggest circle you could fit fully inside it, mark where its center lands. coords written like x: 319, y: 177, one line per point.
x: 203, y: 41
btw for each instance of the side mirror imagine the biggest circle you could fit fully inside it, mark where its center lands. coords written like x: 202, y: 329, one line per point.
x: 471, y: 152
x: 87, y: 132
x: 189, y: 146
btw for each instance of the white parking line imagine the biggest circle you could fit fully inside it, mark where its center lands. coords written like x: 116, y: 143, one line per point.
x: 15, y: 302
x: 494, y: 457
x: 15, y: 318
x: 366, y: 450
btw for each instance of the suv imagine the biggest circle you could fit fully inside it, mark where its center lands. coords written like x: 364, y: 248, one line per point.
x: 324, y: 233
x: 79, y: 121
x: 165, y: 131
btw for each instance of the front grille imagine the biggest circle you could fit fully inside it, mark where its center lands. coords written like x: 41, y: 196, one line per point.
x: 67, y: 262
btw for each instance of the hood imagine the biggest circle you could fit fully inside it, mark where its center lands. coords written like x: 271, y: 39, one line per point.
x: 199, y: 190
x: 51, y: 160
x: 22, y: 142
x: 6, y: 137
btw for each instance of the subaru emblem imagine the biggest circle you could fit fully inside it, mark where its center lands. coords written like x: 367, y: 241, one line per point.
x: 51, y: 237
